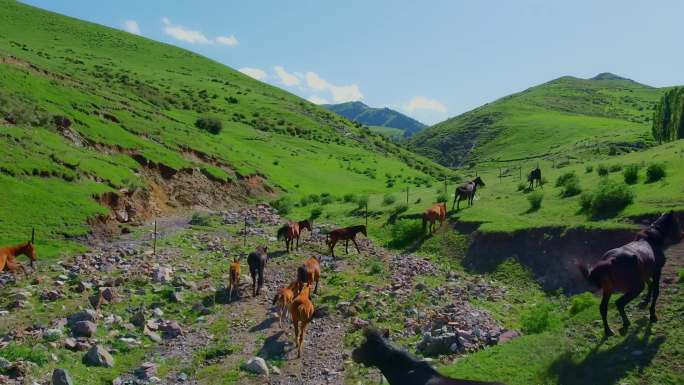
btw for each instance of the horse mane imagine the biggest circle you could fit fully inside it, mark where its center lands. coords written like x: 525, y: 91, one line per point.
x: 282, y: 231
x: 394, y: 356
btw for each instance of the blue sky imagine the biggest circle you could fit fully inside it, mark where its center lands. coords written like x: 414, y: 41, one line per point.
x: 431, y: 59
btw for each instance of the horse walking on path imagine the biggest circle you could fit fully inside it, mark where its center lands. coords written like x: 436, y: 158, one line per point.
x: 627, y: 268
x: 291, y: 233
x: 302, y: 311
x: 344, y: 234
x: 309, y: 272
x: 466, y: 191
x: 435, y: 213
x: 9, y: 254
x: 257, y: 265
x: 535, y: 175
x: 283, y: 299
x: 398, y: 366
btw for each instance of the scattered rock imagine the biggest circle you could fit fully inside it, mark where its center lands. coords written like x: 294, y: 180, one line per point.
x: 85, y: 315
x: 84, y: 329
x: 52, y: 334
x: 98, y: 356
x: 162, y: 274
x: 171, y: 329
x: 61, y: 377
x: 51, y: 295
x: 146, y: 370
x: 257, y: 365
x: 138, y: 319
x: 507, y: 336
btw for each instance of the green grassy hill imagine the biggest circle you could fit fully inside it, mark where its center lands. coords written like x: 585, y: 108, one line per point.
x: 377, y: 117
x: 564, y: 117
x: 86, y: 110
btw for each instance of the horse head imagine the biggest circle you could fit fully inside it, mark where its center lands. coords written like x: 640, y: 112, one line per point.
x: 479, y: 182
x: 306, y: 224
x: 668, y: 225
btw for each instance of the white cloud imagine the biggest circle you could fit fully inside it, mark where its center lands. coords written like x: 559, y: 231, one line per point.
x: 340, y: 94
x: 315, y: 82
x: 318, y: 100
x: 230, y: 41
x: 286, y: 78
x: 423, y: 103
x: 184, y: 34
x: 131, y: 26
x: 255, y: 73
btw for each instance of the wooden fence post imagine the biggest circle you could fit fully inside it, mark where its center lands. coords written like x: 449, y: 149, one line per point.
x: 407, y: 194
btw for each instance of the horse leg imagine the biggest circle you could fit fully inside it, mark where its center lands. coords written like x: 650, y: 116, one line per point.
x: 261, y: 281
x: 604, y: 314
x: 230, y: 291
x: 295, y: 321
x: 647, y: 298
x: 656, y: 292
x: 346, y: 246
x: 356, y: 245
x: 332, y: 247
x: 302, y: 329
x: 254, y: 281
x: 622, y: 302
x: 297, y: 242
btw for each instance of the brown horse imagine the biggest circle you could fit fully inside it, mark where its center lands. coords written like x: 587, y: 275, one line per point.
x: 466, y: 191
x: 292, y: 231
x: 398, y: 366
x: 283, y: 299
x: 626, y: 268
x: 435, y: 213
x: 9, y: 254
x: 309, y: 272
x: 302, y: 311
x: 257, y: 266
x: 344, y: 234
x: 234, y: 282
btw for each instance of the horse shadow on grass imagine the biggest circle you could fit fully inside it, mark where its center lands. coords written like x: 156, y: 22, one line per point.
x: 263, y: 325
x: 608, y: 366
x: 274, y: 346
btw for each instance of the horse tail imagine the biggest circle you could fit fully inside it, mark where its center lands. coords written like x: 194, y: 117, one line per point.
x: 275, y: 299
x: 282, y: 232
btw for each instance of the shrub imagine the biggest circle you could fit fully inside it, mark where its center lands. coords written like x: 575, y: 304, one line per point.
x: 571, y: 188
x: 362, y: 202
x: 585, y: 201
x: 199, y: 219
x: 538, y: 319
x: 314, y: 198
x: 602, y: 170
x: 348, y: 198
x: 615, y: 167
x: 316, y: 212
x: 631, y: 174
x: 535, y: 200
x: 404, y: 232
x: 442, y: 197
x: 563, y: 178
x: 210, y: 124
x: 655, y: 172
x: 581, y: 302
x: 588, y: 168
x: 326, y: 200
x: 304, y: 201
x: 400, y: 209
x: 375, y: 268
x: 388, y: 199
x: 283, y: 205
x: 610, y: 198
x: 14, y: 352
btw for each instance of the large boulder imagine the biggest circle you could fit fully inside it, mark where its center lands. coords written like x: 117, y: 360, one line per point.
x: 257, y: 365
x: 434, y: 345
x: 84, y: 315
x: 98, y: 356
x: 84, y: 329
x: 61, y: 377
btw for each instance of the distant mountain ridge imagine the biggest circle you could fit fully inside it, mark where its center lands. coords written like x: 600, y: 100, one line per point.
x: 379, y: 117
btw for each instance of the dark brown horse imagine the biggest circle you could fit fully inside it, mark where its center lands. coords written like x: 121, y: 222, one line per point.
x: 257, y: 265
x: 626, y: 268
x: 466, y: 191
x: 398, y: 366
x: 309, y: 272
x: 435, y: 213
x: 344, y: 234
x: 292, y: 231
x: 9, y: 254
x: 535, y: 175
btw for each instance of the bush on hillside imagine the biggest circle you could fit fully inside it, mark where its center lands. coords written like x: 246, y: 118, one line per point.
x: 581, y: 302
x: 615, y: 167
x: 199, y: 219
x: 609, y: 199
x: 569, y: 184
x: 585, y: 202
x: 655, y: 172
x: 563, y: 178
x: 404, y: 232
x: 631, y: 174
x: 210, y: 124
x: 283, y: 205
x: 441, y: 197
x: 316, y: 212
x: 535, y: 199
x: 362, y: 202
x: 539, y: 319
x: 388, y: 199
x: 602, y: 170
x: 326, y: 200
x: 348, y: 198
x: 588, y: 168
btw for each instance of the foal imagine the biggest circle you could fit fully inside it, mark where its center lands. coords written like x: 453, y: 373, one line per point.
x: 284, y: 298
x: 9, y: 254
x: 434, y: 213
x: 398, y: 366
x: 234, y: 282
x: 626, y: 268
x: 292, y: 231
x: 257, y: 265
x: 466, y: 191
x: 310, y: 272
x: 302, y: 311
x: 344, y: 234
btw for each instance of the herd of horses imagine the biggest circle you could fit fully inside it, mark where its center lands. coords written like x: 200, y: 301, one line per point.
x: 627, y: 269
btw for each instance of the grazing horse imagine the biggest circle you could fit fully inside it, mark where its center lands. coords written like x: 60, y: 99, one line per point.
x: 9, y: 254
x: 398, y: 366
x: 433, y: 214
x: 291, y: 232
x: 283, y: 299
x: 344, y: 234
x: 309, y: 272
x: 257, y: 264
x: 466, y: 191
x: 234, y: 282
x: 302, y: 311
x: 626, y: 268
x: 535, y: 175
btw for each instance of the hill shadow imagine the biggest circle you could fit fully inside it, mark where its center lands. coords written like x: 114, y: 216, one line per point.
x: 608, y: 366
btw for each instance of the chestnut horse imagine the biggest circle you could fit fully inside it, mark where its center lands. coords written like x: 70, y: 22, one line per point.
x: 344, y: 234
x: 302, y: 311
x: 291, y: 232
x: 257, y: 265
x: 466, y: 191
x: 626, y: 268
x: 309, y: 272
x: 398, y: 366
x: 283, y: 299
x: 9, y: 254
x: 433, y: 214
x: 234, y: 278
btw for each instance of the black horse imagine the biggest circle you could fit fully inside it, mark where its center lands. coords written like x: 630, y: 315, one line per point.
x: 398, y: 366
x: 466, y: 191
x: 257, y: 264
x: 535, y: 175
x: 626, y: 268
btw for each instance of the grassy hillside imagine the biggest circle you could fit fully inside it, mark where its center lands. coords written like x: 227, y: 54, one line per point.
x: 377, y: 117
x: 565, y: 117
x: 86, y: 109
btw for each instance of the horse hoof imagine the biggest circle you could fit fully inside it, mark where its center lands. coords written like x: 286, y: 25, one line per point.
x: 609, y: 333
x: 653, y: 319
